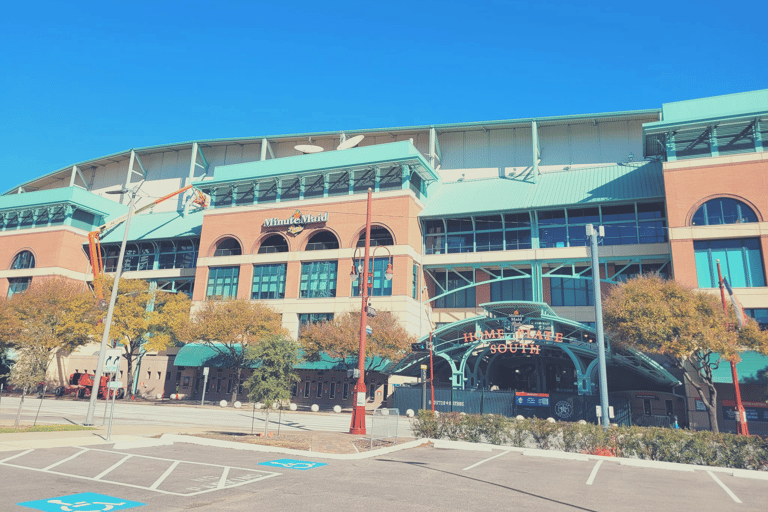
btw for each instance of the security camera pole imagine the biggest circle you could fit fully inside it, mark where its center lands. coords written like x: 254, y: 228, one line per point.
x: 593, y: 233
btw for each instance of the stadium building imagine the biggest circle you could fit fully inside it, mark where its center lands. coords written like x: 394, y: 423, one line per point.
x: 482, y: 222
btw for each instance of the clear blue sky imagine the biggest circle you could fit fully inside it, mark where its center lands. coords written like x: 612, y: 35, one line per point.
x: 85, y: 79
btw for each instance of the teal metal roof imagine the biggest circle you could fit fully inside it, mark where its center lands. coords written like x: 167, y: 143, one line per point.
x: 704, y: 110
x: 75, y: 196
x: 380, y: 154
x: 203, y: 354
x: 156, y: 226
x: 753, y: 369
x: 618, y: 182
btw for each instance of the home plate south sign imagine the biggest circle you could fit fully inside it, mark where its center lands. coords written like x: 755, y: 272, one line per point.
x: 83, y: 502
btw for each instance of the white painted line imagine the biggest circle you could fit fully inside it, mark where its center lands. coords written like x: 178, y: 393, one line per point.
x: 164, y: 475
x: 486, y: 460
x: 17, y: 455
x: 114, y: 466
x: 721, y: 484
x: 223, y: 479
x: 594, y: 473
x: 62, y: 461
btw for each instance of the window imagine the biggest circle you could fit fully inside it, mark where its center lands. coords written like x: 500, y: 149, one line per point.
x: 451, y: 281
x: 332, y: 391
x: 318, y: 279
x: 177, y: 254
x: 723, y: 210
x: 268, y: 281
x: 222, y: 282
x: 647, y: 406
x: 513, y: 289
x: 313, y: 318
x: 489, y: 235
x: 228, y: 247
x: 571, y: 291
x: 380, y: 285
x: 760, y: 315
x: 379, y: 236
x: 345, y: 394
x: 306, y: 389
x: 517, y: 234
x: 372, y: 390
x: 322, y: 241
x: 434, y: 239
x: 24, y: 259
x: 319, y: 390
x: 416, y: 280
x: 295, y: 389
x: 741, y: 262
x: 460, y: 235
x: 273, y: 244
x: 553, y: 230
x: 18, y: 285
x: 139, y: 257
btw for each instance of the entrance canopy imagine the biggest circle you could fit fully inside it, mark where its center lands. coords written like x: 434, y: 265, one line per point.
x: 525, y: 330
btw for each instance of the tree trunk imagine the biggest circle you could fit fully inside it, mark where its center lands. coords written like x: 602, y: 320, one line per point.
x: 21, y: 403
x: 129, y: 376
x: 236, y: 387
x: 266, y: 421
x: 710, y: 404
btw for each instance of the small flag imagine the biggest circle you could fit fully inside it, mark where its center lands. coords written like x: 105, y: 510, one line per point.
x: 740, y: 316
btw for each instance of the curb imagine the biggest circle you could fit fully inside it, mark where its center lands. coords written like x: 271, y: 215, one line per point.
x: 202, y: 441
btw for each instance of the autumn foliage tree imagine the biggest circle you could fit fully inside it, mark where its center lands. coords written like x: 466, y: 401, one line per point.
x: 340, y: 339
x: 690, y: 328
x: 230, y: 327
x: 144, y: 317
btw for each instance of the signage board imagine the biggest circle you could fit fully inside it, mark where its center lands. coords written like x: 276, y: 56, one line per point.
x: 532, y: 399
x: 296, y: 222
x: 115, y: 384
x: 112, y: 362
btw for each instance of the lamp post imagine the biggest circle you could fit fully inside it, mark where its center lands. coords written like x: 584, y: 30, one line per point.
x: 593, y: 233
x: 358, y: 411
x: 111, y: 309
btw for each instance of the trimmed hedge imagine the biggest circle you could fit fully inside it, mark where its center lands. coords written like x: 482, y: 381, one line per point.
x: 662, y: 444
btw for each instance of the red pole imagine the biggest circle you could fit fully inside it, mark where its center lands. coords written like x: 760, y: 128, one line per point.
x: 431, y: 372
x: 741, y: 415
x: 358, y: 411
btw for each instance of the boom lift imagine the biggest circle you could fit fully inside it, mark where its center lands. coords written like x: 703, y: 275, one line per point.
x: 94, y: 247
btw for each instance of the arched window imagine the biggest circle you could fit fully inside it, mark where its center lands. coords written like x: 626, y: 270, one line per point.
x: 24, y: 259
x: 228, y: 247
x: 379, y: 236
x: 274, y: 243
x: 723, y: 210
x: 322, y: 241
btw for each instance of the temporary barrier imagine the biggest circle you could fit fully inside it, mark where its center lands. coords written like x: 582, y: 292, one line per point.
x: 384, y: 425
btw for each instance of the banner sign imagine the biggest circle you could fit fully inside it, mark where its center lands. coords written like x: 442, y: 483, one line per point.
x: 532, y: 399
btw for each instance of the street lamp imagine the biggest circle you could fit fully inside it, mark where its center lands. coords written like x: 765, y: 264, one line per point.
x: 592, y: 233
x: 112, y: 300
x: 358, y: 410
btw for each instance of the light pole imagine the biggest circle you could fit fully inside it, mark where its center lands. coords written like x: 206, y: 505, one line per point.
x: 111, y: 309
x: 593, y: 233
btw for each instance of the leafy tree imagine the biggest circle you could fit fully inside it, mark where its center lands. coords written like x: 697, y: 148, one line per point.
x: 690, y: 328
x: 340, y: 339
x: 144, y: 316
x: 230, y: 327
x: 276, y: 356
x: 52, y: 314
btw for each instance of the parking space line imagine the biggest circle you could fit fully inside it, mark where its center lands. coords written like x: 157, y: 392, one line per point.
x: 17, y: 455
x: 223, y: 479
x: 164, y: 475
x: 62, y: 461
x: 726, y: 489
x: 114, y: 466
x: 486, y: 460
x: 594, y: 473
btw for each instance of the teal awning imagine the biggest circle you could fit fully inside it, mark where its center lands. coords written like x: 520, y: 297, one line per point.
x: 610, y: 183
x: 158, y: 226
x: 752, y: 369
x: 74, y: 196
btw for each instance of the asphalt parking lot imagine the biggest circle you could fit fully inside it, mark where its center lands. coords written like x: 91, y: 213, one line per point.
x: 183, y: 476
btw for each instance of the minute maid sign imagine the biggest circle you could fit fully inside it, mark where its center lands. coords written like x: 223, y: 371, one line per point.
x: 296, y: 222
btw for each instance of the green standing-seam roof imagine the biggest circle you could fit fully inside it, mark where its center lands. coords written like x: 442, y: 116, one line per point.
x: 76, y: 196
x: 157, y: 226
x: 203, y: 354
x: 403, y: 152
x: 703, y: 110
x: 752, y: 369
x: 610, y: 183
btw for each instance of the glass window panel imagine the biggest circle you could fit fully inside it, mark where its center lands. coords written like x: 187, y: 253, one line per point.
x: 435, y: 244
x: 517, y: 220
x: 740, y: 261
x: 338, y: 184
x: 618, y: 212
x: 379, y: 236
x: 433, y: 226
x: 553, y: 237
x: 273, y: 244
x: 228, y: 247
x: 222, y: 282
x: 364, y: 180
x: 324, y: 240
x: 314, y: 186
x: 650, y: 210
x: 268, y: 282
x: 290, y: 189
x: 723, y: 210
x: 620, y: 234
x: 653, y: 232
x: 380, y: 286
x: 244, y: 194
x: 518, y: 239
x: 25, y: 259
x: 391, y: 179
x: 577, y: 236
x: 754, y: 263
x: 583, y: 215
x: 491, y: 241
x: 318, y: 279
x: 571, y: 291
x: 460, y: 243
x: 519, y: 288
x: 458, y: 225
x: 551, y: 217
x: 488, y: 222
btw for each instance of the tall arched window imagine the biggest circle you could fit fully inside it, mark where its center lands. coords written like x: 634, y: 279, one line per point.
x: 723, y: 210
x: 228, y: 247
x: 322, y: 241
x: 24, y: 259
x: 379, y: 236
x: 274, y: 243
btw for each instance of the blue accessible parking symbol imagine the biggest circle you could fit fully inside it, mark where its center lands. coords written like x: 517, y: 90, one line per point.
x: 301, y: 465
x: 83, y: 502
